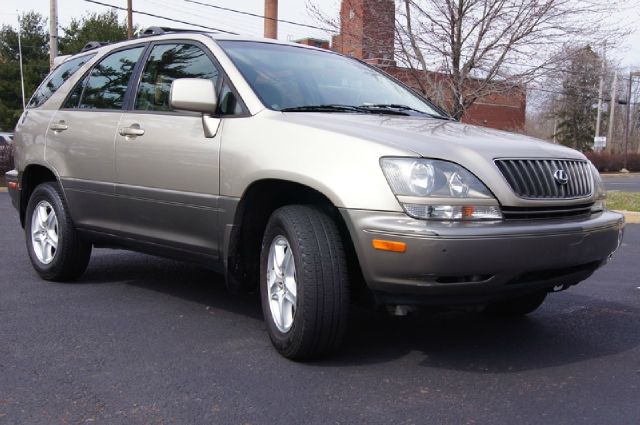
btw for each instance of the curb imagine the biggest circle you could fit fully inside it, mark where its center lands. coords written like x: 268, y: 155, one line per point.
x: 605, y: 175
x: 630, y: 217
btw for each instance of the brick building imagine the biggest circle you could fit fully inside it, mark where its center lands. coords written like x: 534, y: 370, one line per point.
x: 368, y: 33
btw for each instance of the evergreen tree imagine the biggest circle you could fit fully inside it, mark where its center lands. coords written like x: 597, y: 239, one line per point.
x: 35, y: 59
x: 577, y: 112
x: 103, y: 27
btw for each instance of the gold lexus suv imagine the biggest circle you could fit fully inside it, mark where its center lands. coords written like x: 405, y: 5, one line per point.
x: 302, y: 174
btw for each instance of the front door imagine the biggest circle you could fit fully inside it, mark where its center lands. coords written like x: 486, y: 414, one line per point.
x: 167, y: 171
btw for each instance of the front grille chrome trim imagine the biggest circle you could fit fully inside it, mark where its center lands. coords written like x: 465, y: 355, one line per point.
x: 532, y: 178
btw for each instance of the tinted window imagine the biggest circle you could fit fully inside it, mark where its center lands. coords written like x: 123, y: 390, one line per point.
x: 165, y: 64
x: 53, y: 82
x: 106, y: 84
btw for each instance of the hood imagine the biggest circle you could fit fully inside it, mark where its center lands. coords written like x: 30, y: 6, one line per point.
x: 434, y: 138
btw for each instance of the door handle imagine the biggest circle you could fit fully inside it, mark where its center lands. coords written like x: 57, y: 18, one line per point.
x: 132, y: 131
x: 58, y: 126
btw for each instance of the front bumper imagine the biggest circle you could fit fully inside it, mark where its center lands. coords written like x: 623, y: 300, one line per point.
x: 457, y: 263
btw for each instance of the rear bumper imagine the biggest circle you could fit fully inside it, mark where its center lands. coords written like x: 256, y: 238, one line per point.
x: 13, y: 187
x: 470, y: 263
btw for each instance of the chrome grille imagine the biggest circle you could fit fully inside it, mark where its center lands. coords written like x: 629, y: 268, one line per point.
x: 534, y: 178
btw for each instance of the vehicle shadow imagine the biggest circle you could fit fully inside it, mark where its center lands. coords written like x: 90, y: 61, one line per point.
x: 179, y: 279
x: 568, y: 328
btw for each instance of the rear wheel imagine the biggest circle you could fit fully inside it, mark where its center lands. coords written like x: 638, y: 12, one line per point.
x: 303, y: 282
x: 55, y: 248
x: 519, y: 306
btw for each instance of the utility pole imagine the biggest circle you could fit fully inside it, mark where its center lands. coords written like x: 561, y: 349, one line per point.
x: 53, y: 31
x: 600, y: 89
x: 129, y: 19
x: 271, y: 19
x: 626, y: 127
x: 612, y: 106
x: 20, y: 54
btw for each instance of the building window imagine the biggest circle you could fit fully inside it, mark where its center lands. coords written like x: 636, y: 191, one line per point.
x: 352, y: 14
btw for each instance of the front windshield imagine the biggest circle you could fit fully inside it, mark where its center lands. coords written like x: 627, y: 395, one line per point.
x: 286, y: 77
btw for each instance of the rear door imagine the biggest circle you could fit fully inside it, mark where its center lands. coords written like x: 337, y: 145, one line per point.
x: 81, y: 138
x: 167, y: 170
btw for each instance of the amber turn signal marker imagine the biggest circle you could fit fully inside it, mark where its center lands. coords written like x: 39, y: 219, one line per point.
x: 392, y: 246
x: 467, y: 212
x: 12, y: 185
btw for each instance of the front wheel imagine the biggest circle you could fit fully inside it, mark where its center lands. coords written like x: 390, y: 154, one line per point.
x: 56, y: 250
x: 303, y: 282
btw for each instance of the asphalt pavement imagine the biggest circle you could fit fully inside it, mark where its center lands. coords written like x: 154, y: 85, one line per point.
x: 623, y: 183
x: 142, y: 340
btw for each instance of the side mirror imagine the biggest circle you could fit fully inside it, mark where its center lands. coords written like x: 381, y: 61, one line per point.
x: 193, y: 94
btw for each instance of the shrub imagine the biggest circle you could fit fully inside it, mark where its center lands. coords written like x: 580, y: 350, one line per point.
x: 609, y: 162
x: 6, y: 159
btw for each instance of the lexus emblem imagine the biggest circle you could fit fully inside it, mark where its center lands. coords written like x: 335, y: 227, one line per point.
x: 561, y: 176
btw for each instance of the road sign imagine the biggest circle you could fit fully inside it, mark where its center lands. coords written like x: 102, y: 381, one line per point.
x: 600, y: 142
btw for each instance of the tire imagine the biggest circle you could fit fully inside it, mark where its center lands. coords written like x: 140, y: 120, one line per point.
x: 70, y: 256
x: 315, y: 318
x: 519, y: 306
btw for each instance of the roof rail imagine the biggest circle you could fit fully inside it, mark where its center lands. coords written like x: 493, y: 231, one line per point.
x: 92, y: 45
x: 151, y: 31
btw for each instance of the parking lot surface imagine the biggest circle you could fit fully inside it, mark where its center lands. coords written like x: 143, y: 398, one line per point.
x: 142, y: 340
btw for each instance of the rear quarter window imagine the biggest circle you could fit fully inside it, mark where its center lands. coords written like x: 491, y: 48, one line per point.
x: 53, y: 82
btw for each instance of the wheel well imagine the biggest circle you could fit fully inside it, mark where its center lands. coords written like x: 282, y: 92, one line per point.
x: 259, y: 201
x: 32, y: 176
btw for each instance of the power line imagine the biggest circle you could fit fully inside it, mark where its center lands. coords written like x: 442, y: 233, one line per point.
x: 190, y: 10
x: 255, y: 15
x: 163, y: 17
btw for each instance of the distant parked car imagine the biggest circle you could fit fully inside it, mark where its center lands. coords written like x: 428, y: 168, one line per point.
x: 6, y: 139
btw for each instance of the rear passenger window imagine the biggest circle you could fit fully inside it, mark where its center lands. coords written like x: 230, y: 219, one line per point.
x: 166, y: 63
x: 53, y: 82
x: 106, y: 85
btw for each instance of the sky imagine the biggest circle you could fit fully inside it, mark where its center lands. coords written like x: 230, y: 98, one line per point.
x: 627, y: 54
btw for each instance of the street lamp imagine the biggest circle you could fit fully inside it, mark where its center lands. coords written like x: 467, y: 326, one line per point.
x: 626, y: 128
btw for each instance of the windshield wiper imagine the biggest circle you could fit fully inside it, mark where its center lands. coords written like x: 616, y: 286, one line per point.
x: 322, y: 108
x: 343, y: 108
x: 398, y: 107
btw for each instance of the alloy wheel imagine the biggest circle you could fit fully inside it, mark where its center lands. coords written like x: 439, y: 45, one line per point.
x: 281, y: 283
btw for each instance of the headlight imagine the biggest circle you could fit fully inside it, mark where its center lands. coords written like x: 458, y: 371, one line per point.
x: 439, y: 190
x: 600, y: 191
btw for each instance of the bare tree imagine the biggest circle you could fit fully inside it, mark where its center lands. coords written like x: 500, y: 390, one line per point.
x: 488, y: 46
x: 459, y: 51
